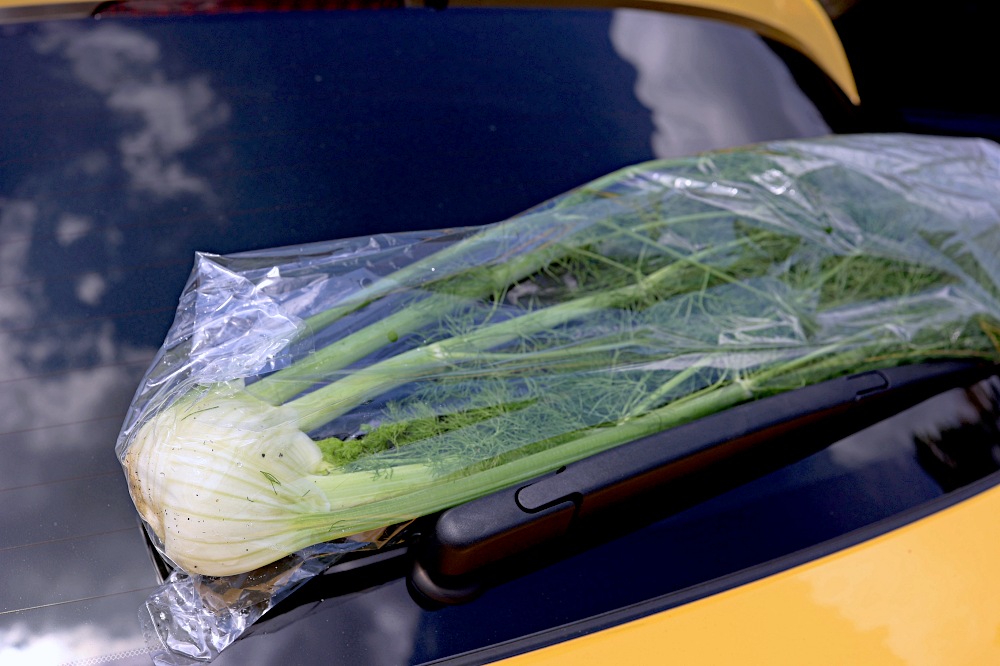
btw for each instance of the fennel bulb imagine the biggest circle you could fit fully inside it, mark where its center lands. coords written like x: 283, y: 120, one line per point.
x: 229, y: 483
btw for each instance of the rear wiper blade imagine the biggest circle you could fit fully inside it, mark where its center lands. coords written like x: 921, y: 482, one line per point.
x: 463, y: 547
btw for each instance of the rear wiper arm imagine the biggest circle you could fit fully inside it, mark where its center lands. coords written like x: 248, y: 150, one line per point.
x: 665, y: 472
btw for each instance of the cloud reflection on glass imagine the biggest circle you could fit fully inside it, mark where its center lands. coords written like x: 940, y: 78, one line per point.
x: 131, y: 143
x: 75, y: 568
x: 710, y: 85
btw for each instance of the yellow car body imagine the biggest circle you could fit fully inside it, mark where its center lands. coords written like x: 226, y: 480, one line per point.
x: 917, y: 595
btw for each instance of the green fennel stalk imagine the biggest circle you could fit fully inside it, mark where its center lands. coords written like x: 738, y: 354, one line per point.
x: 624, y: 309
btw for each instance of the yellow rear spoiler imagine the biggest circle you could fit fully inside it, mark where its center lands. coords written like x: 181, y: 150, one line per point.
x: 801, y: 24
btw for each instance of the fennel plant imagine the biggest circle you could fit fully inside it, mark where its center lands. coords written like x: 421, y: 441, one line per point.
x: 655, y: 296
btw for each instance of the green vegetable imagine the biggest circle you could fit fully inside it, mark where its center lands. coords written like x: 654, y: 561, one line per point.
x: 652, y: 297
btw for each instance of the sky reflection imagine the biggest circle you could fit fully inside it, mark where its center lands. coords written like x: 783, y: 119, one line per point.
x: 75, y: 568
x: 710, y: 85
x: 129, y: 144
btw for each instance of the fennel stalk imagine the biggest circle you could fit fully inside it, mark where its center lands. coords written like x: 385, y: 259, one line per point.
x: 626, y: 308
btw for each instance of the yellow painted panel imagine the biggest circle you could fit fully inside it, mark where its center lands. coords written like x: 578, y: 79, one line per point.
x: 927, y: 594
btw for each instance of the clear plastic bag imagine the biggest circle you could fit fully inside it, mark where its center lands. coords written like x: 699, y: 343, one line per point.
x: 310, y: 401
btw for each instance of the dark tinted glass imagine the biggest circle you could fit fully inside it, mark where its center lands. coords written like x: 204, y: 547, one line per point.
x: 126, y: 145
x: 921, y: 67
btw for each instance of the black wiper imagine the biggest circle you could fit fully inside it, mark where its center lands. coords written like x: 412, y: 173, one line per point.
x: 664, y: 473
